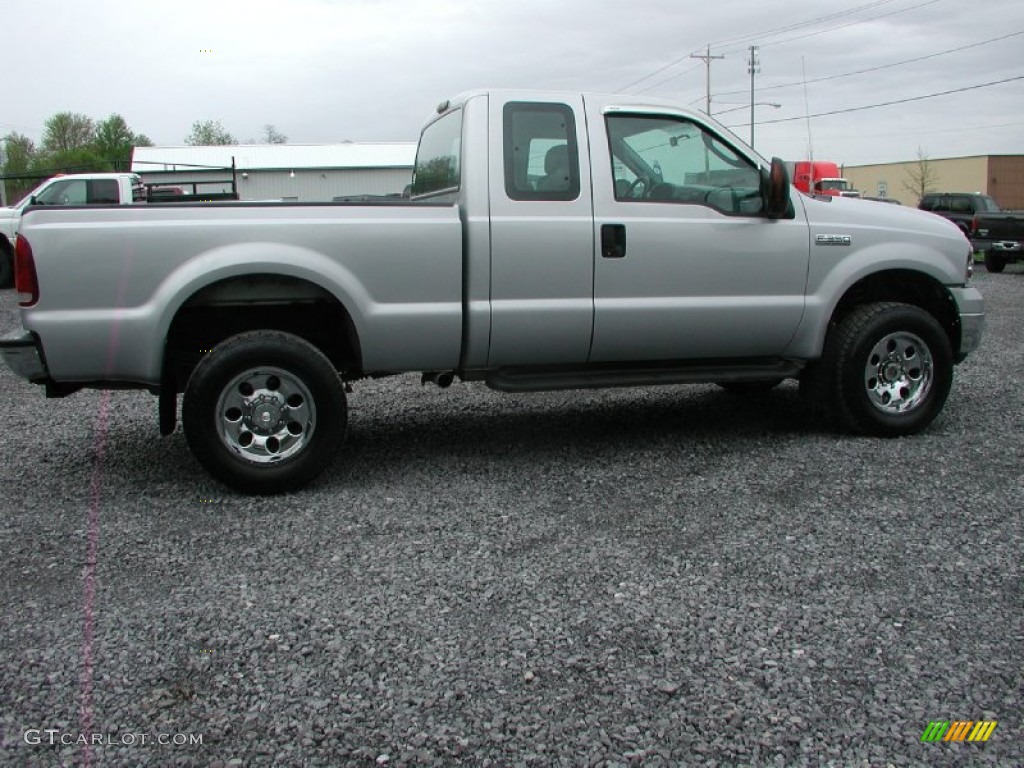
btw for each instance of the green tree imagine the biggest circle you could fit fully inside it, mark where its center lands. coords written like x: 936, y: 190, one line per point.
x: 272, y: 136
x: 207, y: 133
x: 19, y: 153
x: 114, y: 141
x: 921, y: 177
x: 67, y: 131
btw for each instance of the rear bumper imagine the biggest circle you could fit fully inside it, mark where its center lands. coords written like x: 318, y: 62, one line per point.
x: 1006, y: 246
x: 23, y: 355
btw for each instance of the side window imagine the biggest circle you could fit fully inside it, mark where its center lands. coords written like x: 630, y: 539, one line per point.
x: 437, y: 170
x: 138, y: 191
x: 104, y: 192
x: 961, y: 205
x: 541, y: 152
x: 69, y: 192
x: 670, y: 160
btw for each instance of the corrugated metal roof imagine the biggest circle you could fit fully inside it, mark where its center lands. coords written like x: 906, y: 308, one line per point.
x: 276, y: 156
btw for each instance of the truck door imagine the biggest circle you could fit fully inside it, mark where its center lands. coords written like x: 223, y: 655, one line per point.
x: 686, y: 265
x: 542, y: 233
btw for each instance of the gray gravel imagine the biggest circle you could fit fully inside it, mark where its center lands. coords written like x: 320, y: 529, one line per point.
x: 664, y: 576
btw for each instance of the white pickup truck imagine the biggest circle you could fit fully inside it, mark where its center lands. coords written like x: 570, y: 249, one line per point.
x: 552, y: 241
x: 71, y: 189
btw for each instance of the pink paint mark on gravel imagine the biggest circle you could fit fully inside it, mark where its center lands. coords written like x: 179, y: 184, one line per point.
x: 89, y: 579
x: 86, y: 709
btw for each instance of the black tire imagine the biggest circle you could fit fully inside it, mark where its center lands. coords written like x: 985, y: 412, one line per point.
x: 994, y: 262
x: 281, y: 379
x: 6, y: 264
x: 890, y: 367
x: 749, y: 387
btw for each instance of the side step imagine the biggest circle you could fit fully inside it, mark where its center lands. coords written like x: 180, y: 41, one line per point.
x: 612, y: 375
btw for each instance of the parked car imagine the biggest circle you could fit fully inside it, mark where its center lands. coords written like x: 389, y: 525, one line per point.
x: 551, y: 241
x: 1002, y: 236
x: 69, y: 189
x: 958, y: 207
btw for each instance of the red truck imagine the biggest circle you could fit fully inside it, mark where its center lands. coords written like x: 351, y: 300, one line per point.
x: 819, y: 177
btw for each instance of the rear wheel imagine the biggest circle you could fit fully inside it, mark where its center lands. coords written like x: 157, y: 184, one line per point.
x: 264, y: 412
x: 892, y: 368
x: 994, y: 262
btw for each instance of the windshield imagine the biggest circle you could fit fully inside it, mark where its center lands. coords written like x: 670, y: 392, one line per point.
x: 23, y: 202
x: 840, y: 185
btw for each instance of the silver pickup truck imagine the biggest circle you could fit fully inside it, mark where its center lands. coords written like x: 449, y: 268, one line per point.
x: 551, y: 241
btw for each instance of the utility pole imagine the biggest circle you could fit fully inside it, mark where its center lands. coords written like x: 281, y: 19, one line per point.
x: 706, y: 58
x: 753, y: 66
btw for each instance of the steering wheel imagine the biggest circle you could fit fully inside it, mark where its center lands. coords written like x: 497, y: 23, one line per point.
x: 640, y: 182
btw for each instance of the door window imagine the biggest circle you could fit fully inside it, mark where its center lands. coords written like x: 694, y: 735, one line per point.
x: 437, y: 170
x: 104, y: 192
x: 669, y: 160
x: 68, y: 192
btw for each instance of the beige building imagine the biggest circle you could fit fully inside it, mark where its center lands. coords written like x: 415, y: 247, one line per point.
x: 999, y: 176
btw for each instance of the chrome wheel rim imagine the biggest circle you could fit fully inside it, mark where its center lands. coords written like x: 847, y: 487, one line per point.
x: 265, y: 415
x: 899, y: 373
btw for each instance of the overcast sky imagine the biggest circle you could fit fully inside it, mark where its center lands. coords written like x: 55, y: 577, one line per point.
x: 331, y: 70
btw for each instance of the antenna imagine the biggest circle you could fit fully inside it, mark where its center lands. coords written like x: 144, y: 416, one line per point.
x: 807, y: 112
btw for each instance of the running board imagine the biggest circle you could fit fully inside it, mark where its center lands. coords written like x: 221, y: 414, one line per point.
x: 598, y: 377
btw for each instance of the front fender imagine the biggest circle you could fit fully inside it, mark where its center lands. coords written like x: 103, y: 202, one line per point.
x: 832, y: 275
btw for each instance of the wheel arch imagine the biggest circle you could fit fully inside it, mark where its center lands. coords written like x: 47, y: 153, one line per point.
x: 258, y: 301
x: 903, y: 284
x: 906, y: 286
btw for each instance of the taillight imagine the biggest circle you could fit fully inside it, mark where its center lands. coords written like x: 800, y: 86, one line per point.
x: 25, y: 281
x: 974, y: 225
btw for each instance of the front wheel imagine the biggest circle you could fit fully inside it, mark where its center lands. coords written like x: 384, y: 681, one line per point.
x: 892, y: 369
x: 264, y: 412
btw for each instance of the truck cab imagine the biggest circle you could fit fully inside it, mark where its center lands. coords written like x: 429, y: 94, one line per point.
x: 820, y: 177
x: 64, y: 190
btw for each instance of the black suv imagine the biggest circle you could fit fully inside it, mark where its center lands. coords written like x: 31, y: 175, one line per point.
x: 958, y: 207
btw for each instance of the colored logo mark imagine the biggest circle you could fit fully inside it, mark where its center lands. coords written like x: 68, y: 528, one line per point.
x: 958, y: 730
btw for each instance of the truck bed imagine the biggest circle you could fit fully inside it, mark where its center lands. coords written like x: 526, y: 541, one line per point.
x: 402, y: 283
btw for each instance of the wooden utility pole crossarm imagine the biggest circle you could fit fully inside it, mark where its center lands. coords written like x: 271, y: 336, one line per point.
x: 707, y: 58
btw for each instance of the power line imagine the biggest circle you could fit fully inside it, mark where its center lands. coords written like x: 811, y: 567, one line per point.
x: 960, y: 129
x: 659, y: 71
x: 888, y: 103
x: 880, y: 67
x: 842, y: 26
x: 777, y: 31
x: 673, y: 77
x: 798, y: 25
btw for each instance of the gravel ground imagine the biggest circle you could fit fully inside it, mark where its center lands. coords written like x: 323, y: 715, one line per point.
x: 663, y: 576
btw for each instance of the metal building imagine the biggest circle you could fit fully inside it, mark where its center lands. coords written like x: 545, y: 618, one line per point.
x: 291, y: 172
x: 999, y: 176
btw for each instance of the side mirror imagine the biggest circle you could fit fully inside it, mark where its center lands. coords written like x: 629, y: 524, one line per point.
x: 775, y: 190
